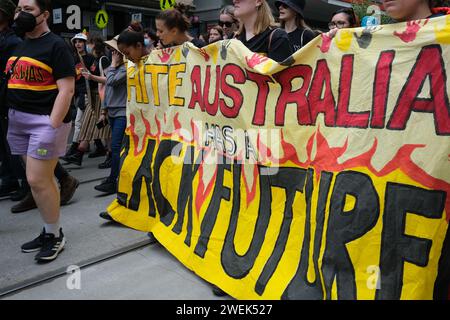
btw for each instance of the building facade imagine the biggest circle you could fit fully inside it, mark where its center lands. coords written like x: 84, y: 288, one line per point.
x: 72, y: 16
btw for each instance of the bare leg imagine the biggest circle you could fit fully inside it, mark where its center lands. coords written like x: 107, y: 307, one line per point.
x: 41, y: 178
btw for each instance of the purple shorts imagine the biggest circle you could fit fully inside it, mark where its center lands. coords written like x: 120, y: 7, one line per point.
x: 33, y: 135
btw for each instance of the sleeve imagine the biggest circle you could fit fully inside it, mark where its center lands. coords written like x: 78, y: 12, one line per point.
x: 63, y: 62
x: 116, y: 76
x: 106, y: 62
x: 280, y: 47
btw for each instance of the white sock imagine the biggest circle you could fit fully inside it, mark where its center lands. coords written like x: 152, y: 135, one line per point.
x: 52, y: 228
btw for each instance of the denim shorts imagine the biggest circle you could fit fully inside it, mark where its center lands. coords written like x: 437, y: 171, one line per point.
x: 33, y: 135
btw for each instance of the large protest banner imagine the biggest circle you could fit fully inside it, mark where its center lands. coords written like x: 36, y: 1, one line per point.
x: 324, y: 177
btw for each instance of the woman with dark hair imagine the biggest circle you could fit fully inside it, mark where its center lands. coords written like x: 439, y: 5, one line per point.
x: 114, y: 109
x: 293, y: 21
x: 215, y: 34
x: 172, y: 27
x: 89, y: 131
x: 343, y: 18
x: 82, y: 60
x: 131, y: 43
x: 258, y: 30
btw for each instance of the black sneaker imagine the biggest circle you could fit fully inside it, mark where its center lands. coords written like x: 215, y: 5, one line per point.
x: 6, y: 189
x: 97, y: 153
x: 20, y: 194
x: 105, y: 215
x: 219, y: 292
x: 51, y: 247
x: 107, y: 186
x: 107, y: 163
x: 76, y: 158
x: 72, y: 150
x: 34, y: 245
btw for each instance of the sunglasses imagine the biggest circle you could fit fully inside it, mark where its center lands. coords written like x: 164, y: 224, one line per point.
x: 227, y: 24
x: 281, y: 5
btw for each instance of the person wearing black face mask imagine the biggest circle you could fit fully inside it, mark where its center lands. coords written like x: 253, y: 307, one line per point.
x: 39, y: 121
x: 25, y: 22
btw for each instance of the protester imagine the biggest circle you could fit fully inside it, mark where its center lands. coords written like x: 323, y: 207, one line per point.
x: 293, y: 22
x: 343, y: 18
x: 114, y: 108
x: 215, y: 34
x: 88, y: 60
x: 228, y: 22
x: 39, y: 121
x: 13, y: 165
x: 131, y: 44
x: 172, y: 28
x: 8, y: 42
x: 258, y: 31
x: 89, y: 131
x: 150, y: 39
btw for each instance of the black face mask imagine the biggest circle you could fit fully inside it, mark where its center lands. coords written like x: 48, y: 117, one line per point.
x: 25, y: 22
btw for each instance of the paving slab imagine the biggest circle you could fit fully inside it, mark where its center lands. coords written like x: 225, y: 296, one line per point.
x: 150, y: 273
x: 88, y: 236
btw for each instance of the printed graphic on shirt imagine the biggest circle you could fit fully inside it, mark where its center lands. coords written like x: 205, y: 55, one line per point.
x: 31, y: 74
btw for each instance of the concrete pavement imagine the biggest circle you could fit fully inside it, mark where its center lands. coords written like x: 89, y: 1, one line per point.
x: 148, y: 273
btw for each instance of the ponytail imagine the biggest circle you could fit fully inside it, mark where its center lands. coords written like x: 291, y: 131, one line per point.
x: 133, y: 35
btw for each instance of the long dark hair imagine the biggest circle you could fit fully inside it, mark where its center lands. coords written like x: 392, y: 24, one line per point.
x: 99, y: 45
x: 352, y: 18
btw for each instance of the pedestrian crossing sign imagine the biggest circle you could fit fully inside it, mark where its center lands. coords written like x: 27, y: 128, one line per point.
x: 101, y: 19
x: 166, y: 4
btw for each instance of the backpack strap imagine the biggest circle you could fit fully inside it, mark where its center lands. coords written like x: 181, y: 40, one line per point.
x: 102, y: 71
x: 301, y: 40
x: 270, y: 38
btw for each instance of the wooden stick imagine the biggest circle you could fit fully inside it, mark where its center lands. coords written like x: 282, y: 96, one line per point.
x: 88, y: 87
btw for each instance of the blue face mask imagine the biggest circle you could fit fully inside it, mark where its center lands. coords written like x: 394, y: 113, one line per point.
x: 147, y: 42
x: 89, y: 50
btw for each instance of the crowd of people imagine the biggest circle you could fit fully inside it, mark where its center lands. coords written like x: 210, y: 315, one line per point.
x: 83, y: 90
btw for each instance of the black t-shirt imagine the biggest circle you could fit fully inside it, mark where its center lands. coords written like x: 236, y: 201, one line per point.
x: 300, y: 37
x: 95, y: 69
x: 8, y: 42
x: 32, y: 87
x: 80, y: 81
x: 280, y: 47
